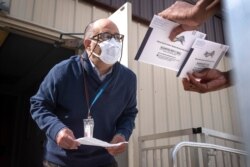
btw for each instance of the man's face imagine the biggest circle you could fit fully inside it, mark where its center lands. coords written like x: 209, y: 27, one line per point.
x: 103, y: 30
x: 102, y: 27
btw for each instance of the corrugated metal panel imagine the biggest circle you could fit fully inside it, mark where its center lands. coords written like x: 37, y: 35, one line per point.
x: 165, y: 106
x: 64, y: 15
x: 22, y: 8
x: 146, y: 9
x: 162, y: 102
x: 143, y: 9
x: 158, y: 5
x: 160, y: 95
x: 118, y: 3
x: 136, y: 7
x: 84, y: 15
x: 43, y: 12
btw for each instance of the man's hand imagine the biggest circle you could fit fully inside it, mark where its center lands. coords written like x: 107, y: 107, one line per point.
x: 207, y: 80
x: 185, y: 14
x: 119, y: 149
x: 189, y: 16
x: 66, y: 139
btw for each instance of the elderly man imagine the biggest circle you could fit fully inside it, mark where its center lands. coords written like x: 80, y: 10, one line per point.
x: 92, y: 86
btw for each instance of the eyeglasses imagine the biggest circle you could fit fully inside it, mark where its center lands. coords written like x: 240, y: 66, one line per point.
x: 105, y: 36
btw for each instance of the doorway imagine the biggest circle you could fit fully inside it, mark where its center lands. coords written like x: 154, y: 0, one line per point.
x: 24, y: 62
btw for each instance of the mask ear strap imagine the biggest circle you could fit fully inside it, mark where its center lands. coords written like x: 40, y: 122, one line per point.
x: 96, y: 54
x: 121, y: 52
x: 93, y: 50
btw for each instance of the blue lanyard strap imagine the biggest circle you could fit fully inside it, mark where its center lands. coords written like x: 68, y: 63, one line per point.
x: 99, y: 93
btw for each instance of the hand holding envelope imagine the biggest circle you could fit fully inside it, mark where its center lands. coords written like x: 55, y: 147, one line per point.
x: 96, y: 142
x: 188, y: 52
x: 118, y: 138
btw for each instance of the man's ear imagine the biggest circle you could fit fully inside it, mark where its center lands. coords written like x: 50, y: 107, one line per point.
x: 86, y: 44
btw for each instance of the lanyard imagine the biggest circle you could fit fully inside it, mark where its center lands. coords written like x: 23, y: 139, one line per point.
x: 99, y: 93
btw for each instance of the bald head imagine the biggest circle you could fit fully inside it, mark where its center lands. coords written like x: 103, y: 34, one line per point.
x: 105, y: 25
x: 99, y: 26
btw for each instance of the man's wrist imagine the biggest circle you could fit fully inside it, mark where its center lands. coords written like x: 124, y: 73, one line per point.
x: 228, y: 76
x: 120, y: 134
x: 208, y: 7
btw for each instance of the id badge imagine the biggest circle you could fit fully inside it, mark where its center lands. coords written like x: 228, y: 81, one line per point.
x: 88, y: 127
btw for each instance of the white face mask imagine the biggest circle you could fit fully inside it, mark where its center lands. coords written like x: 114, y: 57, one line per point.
x: 110, y: 51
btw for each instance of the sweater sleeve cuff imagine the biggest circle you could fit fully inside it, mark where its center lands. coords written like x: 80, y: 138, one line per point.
x: 125, y: 133
x: 55, y: 129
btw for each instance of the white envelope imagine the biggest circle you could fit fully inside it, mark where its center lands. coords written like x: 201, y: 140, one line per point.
x: 96, y: 142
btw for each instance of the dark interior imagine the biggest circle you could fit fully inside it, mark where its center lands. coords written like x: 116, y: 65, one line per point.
x: 24, y: 61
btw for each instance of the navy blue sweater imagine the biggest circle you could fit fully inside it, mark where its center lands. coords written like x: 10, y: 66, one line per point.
x: 60, y: 102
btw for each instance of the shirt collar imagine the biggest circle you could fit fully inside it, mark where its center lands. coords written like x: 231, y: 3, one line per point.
x: 101, y: 77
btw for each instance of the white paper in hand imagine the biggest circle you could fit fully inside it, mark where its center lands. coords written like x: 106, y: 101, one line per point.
x: 96, y: 142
